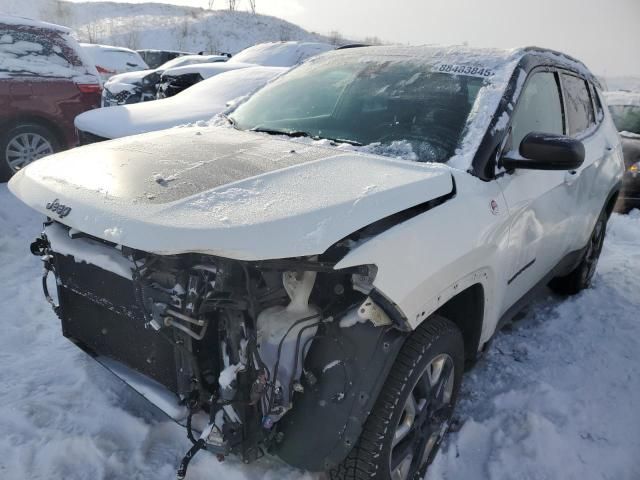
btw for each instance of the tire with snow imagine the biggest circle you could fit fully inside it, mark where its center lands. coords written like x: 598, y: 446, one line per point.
x: 580, y: 278
x: 411, y: 416
x: 23, y: 144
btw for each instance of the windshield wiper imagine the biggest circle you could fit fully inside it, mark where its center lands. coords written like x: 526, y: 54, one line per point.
x: 341, y: 140
x: 231, y: 121
x: 277, y: 131
x: 300, y: 133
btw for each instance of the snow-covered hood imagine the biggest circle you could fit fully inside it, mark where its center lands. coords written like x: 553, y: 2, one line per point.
x: 223, y: 192
x: 206, y: 70
x: 117, y: 82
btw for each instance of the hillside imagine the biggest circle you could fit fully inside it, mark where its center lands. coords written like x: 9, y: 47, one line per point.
x: 155, y: 25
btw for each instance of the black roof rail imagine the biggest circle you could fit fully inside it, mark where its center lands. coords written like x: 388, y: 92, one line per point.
x: 352, y: 45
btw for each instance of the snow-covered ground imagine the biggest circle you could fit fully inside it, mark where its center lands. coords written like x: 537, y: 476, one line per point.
x: 556, y: 397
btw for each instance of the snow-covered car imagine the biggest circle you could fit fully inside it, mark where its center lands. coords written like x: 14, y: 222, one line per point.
x: 175, y: 80
x: 199, y: 103
x: 45, y: 81
x: 154, y: 57
x: 110, y: 61
x: 271, y: 54
x: 625, y: 110
x: 142, y: 85
x: 318, y: 297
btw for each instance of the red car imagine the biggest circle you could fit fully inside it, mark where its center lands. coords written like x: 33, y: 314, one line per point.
x: 45, y: 81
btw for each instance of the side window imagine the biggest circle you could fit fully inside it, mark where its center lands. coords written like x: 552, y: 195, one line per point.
x: 579, y: 106
x: 539, y: 108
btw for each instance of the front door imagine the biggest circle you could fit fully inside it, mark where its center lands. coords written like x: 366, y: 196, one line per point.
x: 540, y: 204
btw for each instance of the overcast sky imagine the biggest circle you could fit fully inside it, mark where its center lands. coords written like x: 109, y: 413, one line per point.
x: 605, y: 34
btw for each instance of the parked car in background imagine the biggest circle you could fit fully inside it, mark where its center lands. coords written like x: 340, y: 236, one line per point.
x: 45, y: 81
x: 274, y: 54
x: 110, y: 61
x: 283, y: 293
x: 280, y: 54
x: 625, y: 110
x: 175, y: 80
x: 140, y: 86
x: 201, y: 102
x: 155, y: 58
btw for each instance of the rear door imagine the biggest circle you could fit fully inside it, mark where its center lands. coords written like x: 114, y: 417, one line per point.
x: 539, y: 203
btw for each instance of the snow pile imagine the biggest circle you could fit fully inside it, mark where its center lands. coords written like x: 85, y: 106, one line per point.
x: 554, y: 398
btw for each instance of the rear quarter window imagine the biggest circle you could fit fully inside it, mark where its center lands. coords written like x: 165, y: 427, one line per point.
x: 578, y: 104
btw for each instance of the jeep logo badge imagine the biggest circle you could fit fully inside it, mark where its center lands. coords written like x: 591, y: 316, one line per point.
x: 59, y: 208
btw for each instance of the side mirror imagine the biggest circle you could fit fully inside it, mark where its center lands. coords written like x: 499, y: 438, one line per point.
x: 546, y: 151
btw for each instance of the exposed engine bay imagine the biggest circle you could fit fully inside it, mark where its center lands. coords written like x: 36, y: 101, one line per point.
x: 238, y: 343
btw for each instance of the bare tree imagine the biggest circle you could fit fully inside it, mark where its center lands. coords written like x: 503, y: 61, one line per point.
x: 232, y: 5
x: 130, y: 34
x: 183, y: 34
x: 57, y: 12
x: 210, y: 4
x: 373, y: 40
x: 252, y: 6
x: 93, y: 32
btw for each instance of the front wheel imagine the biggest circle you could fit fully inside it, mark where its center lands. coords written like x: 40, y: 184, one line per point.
x: 22, y: 145
x: 412, y: 414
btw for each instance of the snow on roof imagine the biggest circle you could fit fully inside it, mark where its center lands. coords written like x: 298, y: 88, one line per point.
x: 190, y: 60
x: 32, y: 53
x: 280, y: 54
x: 110, y: 48
x: 623, y: 98
x: 15, y: 20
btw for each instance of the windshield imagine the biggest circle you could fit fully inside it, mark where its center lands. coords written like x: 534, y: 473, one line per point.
x: 626, y: 118
x: 367, y: 101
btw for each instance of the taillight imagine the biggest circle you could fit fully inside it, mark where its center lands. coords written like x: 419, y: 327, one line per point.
x: 89, y: 87
x: 104, y: 70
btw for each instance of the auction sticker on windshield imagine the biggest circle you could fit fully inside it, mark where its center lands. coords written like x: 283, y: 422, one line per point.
x: 464, y: 70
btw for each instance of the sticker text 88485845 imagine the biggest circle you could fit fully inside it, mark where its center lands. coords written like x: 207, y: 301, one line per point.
x: 464, y: 70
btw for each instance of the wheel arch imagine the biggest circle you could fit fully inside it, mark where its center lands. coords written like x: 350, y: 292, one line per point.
x: 466, y: 310
x: 612, y: 199
x: 39, y: 120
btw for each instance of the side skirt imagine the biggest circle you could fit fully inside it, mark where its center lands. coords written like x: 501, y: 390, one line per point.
x: 564, y: 267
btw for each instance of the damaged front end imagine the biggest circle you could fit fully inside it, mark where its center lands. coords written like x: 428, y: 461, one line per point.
x: 283, y: 356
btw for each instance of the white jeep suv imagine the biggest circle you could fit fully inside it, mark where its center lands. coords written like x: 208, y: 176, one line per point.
x: 317, y: 297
